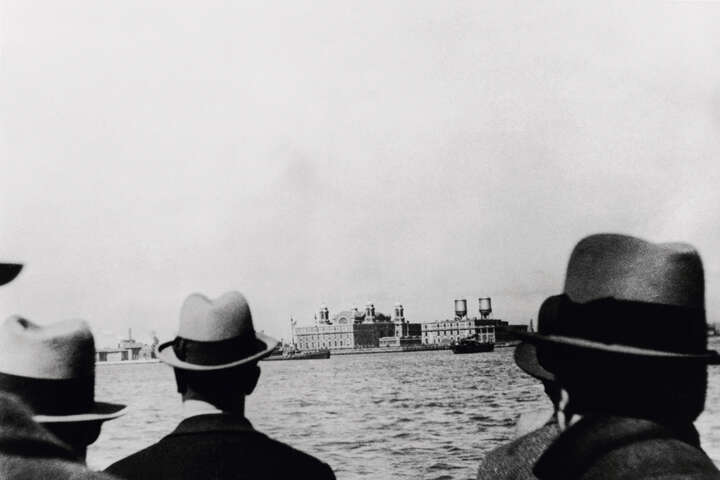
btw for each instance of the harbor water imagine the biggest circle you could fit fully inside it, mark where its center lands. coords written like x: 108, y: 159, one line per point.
x: 428, y: 415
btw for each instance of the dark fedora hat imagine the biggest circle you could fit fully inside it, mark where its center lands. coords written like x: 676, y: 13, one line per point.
x: 526, y: 355
x: 625, y: 295
x: 215, y: 334
x: 52, y: 370
x: 8, y: 272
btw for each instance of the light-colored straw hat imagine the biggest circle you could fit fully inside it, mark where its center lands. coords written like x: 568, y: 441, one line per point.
x: 52, y: 369
x: 215, y: 334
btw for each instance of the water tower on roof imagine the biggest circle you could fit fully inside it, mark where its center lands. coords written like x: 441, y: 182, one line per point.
x: 460, y: 308
x: 485, y: 307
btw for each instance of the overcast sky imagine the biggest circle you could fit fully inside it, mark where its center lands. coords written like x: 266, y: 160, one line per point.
x: 338, y: 152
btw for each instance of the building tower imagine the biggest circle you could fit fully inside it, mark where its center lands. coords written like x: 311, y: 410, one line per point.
x: 293, y: 339
x: 399, y: 314
x: 369, y: 313
x: 324, y: 315
x: 399, y: 321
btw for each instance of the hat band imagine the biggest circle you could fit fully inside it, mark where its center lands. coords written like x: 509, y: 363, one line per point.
x: 215, y: 353
x: 44, y: 396
x: 653, y: 326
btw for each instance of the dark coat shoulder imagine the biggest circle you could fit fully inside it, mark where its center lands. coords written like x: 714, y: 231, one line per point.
x: 622, y: 448
x: 219, y: 447
x: 515, y: 460
x: 29, y: 451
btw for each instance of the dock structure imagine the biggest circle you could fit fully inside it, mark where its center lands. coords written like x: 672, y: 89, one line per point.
x: 128, y: 349
x: 391, y: 349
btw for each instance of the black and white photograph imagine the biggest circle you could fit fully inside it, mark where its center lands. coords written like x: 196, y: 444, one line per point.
x: 389, y: 240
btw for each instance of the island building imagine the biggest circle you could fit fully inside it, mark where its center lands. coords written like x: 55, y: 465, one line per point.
x: 355, y: 329
x: 448, y: 331
x: 127, y: 349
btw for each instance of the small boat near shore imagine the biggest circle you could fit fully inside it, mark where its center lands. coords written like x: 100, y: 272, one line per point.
x: 289, y: 353
x: 473, y: 345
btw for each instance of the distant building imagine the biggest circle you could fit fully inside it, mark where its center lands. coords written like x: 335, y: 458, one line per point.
x: 353, y: 329
x: 111, y: 355
x: 450, y: 331
x: 154, y: 346
x: 127, y: 349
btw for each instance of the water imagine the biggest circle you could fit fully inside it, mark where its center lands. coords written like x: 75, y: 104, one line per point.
x: 428, y: 415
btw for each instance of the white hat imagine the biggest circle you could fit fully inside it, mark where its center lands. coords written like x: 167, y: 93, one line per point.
x: 52, y: 369
x: 215, y: 334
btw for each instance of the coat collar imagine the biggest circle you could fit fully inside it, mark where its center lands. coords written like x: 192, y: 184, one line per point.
x: 222, y: 422
x: 583, y: 443
x: 21, y: 435
x: 194, y: 407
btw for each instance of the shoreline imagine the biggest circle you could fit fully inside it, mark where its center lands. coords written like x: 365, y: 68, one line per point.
x: 129, y: 362
x: 350, y: 351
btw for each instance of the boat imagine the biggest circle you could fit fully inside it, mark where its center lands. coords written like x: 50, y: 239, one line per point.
x: 472, y: 344
x: 287, y: 352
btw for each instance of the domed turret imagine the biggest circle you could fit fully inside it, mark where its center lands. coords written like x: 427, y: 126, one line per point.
x: 324, y: 315
x: 369, y: 312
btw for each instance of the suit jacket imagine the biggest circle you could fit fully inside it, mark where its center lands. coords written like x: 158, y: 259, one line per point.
x: 515, y: 460
x: 219, y: 446
x: 28, y: 451
x: 621, y: 448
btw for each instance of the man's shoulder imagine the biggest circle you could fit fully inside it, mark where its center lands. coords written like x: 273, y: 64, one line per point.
x: 245, y: 448
x: 658, y: 457
x: 136, y: 460
x: 288, y: 451
x: 295, y: 459
x: 516, y: 458
x: 604, y: 446
x: 60, y: 469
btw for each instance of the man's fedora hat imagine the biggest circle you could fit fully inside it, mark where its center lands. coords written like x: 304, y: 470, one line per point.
x: 52, y: 370
x: 526, y: 356
x: 625, y: 295
x: 215, y: 334
x: 8, y: 272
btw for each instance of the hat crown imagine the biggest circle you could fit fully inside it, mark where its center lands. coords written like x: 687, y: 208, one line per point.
x: 205, y: 320
x: 632, y: 269
x: 8, y: 272
x: 60, y: 351
x: 215, y: 334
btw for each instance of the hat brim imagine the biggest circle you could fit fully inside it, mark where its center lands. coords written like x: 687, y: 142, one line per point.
x: 265, y: 346
x: 526, y: 358
x: 101, y: 412
x: 8, y: 272
x: 709, y: 356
